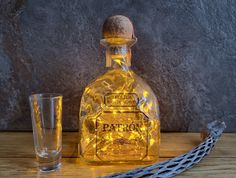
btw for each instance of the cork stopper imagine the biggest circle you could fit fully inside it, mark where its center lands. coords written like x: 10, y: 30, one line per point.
x: 118, y: 36
x: 118, y: 29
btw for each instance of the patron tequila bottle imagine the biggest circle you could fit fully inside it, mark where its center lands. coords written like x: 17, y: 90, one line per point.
x: 119, y: 113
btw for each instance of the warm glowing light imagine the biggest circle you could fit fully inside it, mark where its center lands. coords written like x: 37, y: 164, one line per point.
x: 145, y: 93
x: 143, y: 128
x: 87, y: 140
x: 87, y: 89
x: 118, y: 61
x: 152, y: 141
x: 150, y: 105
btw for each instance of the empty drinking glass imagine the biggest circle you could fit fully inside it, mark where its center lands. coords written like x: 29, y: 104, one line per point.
x: 46, y: 113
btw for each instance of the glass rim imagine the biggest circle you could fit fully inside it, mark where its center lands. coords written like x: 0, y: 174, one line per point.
x: 46, y: 96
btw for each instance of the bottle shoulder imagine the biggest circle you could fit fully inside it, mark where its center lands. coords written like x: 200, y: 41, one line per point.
x: 118, y: 88
x: 119, y: 81
x: 118, y: 78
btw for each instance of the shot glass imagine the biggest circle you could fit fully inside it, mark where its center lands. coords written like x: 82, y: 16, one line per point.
x: 46, y: 113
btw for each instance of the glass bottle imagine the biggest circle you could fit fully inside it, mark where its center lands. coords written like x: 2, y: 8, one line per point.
x: 119, y: 113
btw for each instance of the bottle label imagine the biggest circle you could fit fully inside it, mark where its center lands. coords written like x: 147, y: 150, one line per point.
x: 121, y: 100
x: 121, y: 132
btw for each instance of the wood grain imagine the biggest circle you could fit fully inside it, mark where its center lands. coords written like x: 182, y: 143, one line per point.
x: 17, y: 158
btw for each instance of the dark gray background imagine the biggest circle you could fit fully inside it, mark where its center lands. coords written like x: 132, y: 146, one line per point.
x: 186, y: 52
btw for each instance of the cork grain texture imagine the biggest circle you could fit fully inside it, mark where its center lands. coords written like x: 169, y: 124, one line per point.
x: 186, y: 51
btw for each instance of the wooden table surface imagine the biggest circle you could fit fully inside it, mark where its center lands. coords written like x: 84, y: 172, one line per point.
x: 17, y: 157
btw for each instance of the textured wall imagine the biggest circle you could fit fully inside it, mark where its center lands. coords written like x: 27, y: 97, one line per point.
x: 186, y: 51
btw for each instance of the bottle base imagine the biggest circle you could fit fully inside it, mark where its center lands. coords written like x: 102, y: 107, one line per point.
x: 115, y: 162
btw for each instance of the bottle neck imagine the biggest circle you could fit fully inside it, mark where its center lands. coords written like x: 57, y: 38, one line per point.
x: 118, y: 57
